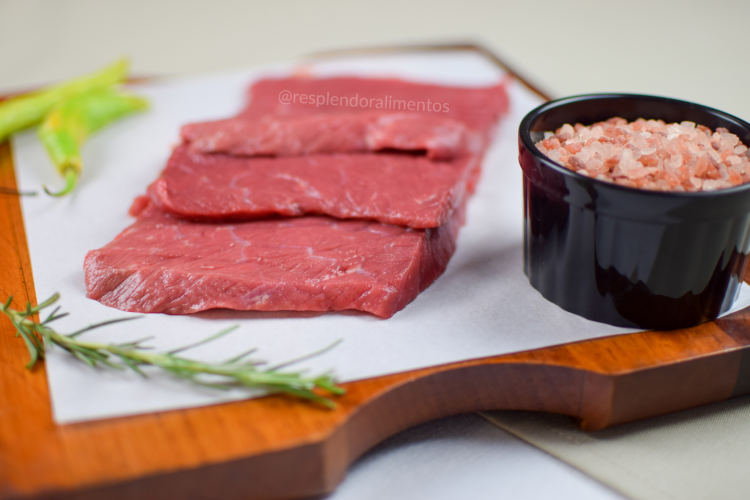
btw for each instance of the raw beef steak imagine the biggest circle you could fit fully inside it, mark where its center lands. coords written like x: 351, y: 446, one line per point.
x: 160, y: 264
x: 390, y: 188
x: 478, y: 108
x: 441, y: 138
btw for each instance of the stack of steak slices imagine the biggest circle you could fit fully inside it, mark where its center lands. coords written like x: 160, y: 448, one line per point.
x: 309, y: 205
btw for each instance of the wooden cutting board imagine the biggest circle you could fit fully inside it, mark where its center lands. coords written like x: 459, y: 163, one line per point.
x: 278, y: 447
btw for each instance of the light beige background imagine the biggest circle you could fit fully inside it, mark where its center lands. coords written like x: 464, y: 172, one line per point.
x: 693, y: 50
x: 689, y: 49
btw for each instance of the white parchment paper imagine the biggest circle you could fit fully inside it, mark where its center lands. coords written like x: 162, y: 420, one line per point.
x: 482, y: 305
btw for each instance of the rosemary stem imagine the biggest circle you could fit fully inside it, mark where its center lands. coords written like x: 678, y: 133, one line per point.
x: 237, y: 371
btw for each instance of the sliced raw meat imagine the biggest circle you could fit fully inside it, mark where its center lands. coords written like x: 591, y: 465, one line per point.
x: 441, y: 138
x: 160, y: 264
x: 391, y: 188
x: 477, y: 108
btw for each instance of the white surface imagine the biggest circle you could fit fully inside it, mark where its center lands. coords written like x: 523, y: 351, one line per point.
x: 464, y: 457
x: 482, y: 305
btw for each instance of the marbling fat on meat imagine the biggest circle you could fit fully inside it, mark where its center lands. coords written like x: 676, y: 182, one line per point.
x: 160, y: 264
x: 389, y: 188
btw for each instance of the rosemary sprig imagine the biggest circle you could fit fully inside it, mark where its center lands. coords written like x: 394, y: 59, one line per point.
x: 234, y: 372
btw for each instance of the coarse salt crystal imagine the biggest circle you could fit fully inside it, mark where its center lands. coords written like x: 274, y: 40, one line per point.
x: 651, y: 154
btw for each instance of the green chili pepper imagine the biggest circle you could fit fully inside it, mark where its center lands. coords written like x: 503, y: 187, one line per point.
x: 69, y: 124
x: 29, y: 109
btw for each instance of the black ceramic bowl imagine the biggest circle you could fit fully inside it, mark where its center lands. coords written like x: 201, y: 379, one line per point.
x: 625, y: 256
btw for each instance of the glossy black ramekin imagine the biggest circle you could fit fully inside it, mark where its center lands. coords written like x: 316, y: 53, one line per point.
x: 625, y: 256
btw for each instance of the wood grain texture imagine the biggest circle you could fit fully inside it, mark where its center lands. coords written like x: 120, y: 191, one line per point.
x: 277, y: 447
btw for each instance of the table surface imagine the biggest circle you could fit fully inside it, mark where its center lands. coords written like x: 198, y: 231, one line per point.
x: 464, y: 457
x: 235, y: 35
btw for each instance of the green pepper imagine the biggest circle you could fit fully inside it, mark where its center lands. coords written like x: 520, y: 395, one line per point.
x: 29, y: 109
x: 69, y: 124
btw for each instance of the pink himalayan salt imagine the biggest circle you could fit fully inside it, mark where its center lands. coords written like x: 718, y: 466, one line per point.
x: 651, y: 154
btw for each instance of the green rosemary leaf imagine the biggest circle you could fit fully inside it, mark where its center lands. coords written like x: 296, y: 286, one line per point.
x: 83, y: 358
x: 32, y: 348
x: 325, y: 383
x: 305, y: 357
x: 236, y: 359
x: 54, y: 298
x: 52, y: 316
x: 134, y: 366
x: 213, y: 385
x: 98, y: 325
x: 204, y: 341
x: 136, y: 343
x: 307, y: 394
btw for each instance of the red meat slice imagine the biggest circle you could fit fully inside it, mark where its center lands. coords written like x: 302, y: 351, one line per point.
x: 441, y: 138
x: 390, y: 188
x: 309, y: 263
x: 477, y: 108
x: 404, y: 190
x: 160, y: 264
